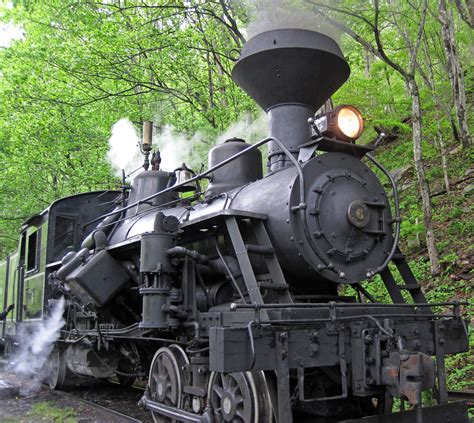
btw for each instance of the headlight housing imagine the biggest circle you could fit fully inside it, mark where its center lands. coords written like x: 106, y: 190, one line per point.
x: 344, y: 123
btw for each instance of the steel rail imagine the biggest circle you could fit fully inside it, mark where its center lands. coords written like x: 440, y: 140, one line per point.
x: 97, y: 406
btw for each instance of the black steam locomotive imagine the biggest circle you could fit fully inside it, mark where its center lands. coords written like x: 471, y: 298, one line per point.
x: 235, y: 304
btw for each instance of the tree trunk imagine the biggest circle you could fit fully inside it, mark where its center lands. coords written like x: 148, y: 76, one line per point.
x: 455, y: 73
x: 420, y: 172
x: 444, y: 163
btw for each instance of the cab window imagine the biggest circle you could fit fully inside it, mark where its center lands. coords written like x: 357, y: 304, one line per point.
x: 32, y: 256
x: 64, y: 235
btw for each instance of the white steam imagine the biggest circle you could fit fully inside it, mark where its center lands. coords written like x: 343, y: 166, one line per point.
x: 124, y: 151
x: 251, y: 130
x: 176, y: 148
x: 267, y: 15
x: 124, y: 148
x: 35, y: 347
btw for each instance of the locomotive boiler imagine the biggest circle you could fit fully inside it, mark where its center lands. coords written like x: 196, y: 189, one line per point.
x: 245, y: 303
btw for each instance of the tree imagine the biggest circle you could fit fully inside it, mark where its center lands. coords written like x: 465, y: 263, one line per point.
x: 455, y: 72
x: 84, y: 65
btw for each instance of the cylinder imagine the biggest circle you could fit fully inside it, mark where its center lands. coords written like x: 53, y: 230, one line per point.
x: 239, y: 172
x: 87, y: 361
x: 153, y: 257
x: 153, y: 316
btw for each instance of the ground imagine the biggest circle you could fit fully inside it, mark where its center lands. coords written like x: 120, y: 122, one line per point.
x: 38, y: 403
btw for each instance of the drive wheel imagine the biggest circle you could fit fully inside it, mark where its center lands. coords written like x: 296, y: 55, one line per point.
x: 165, y: 381
x: 240, y: 397
x: 55, y: 369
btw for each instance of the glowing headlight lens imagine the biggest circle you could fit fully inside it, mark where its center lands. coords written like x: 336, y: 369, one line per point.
x: 349, y: 121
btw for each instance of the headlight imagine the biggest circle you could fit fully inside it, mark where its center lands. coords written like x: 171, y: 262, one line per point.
x: 344, y: 123
x: 349, y: 121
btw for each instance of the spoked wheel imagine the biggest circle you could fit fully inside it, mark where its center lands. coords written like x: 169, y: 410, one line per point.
x: 165, y: 381
x: 55, y: 370
x: 240, y: 397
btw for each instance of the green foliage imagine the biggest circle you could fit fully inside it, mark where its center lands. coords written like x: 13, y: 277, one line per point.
x: 45, y: 411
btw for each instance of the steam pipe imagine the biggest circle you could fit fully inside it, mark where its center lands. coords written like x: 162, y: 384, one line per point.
x: 110, y: 218
x: 72, y: 263
x: 179, y: 251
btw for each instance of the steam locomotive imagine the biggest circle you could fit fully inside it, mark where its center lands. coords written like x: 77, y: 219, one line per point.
x: 244, y: 303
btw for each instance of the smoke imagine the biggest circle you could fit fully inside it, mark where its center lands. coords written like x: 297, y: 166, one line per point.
x: 36, y: 346
x: 124, y: 152
x: 267, y: 15
x: 251, y: 130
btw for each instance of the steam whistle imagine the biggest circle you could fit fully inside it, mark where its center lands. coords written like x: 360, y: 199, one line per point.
x: 156, y: 160
x: 147, y: 142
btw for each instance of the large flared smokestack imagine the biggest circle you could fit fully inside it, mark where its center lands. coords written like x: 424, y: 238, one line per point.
x: 290, y: 73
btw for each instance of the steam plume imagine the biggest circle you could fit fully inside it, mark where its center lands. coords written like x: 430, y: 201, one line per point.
x: 267, y: 15
x: 35, y: 347
x: 124, y: 152
x: 249, y: 129
x: 177, y: 148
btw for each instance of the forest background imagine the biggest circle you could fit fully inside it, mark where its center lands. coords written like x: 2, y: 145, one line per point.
x: 79, y: 67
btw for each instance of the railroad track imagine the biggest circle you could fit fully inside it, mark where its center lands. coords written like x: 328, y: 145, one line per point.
x: 116, y: 414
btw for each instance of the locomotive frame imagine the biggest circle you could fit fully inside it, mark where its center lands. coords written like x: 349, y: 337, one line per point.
x: 230, y: 305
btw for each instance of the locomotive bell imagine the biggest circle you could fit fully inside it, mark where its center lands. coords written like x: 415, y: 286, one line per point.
x: 184, y: 174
